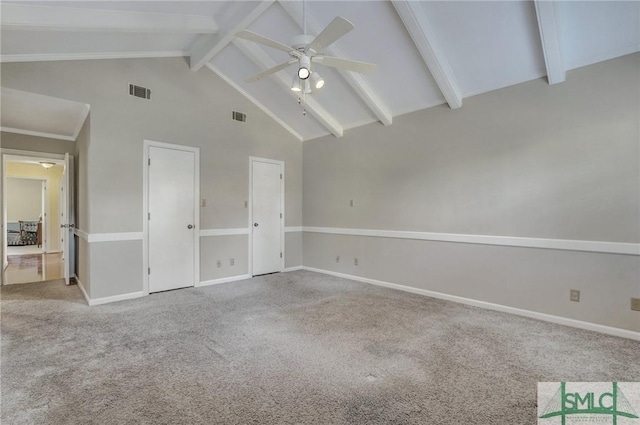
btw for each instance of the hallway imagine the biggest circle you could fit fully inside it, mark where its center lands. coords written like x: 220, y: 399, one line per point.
x: 33, y: 268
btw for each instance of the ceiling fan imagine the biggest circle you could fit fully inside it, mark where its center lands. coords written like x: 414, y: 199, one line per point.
x: 306, y: 50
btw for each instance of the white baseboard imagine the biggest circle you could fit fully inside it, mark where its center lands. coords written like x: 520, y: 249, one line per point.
x: 105, y: 300
x: 224, y: 280
x: 292, y: 269
x: 624, y: 333
x: 84, y: 292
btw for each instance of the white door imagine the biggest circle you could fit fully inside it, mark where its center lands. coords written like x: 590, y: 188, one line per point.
x: 67, y: 221
x: 172, y: 226
x: 267, y: 216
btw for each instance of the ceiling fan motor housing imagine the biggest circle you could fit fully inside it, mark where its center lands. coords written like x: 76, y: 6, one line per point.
x: 300, y: 42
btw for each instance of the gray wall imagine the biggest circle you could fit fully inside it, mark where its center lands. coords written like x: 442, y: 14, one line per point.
x: 532, y: 160
x: 34, y: 143
x: 186, y: 108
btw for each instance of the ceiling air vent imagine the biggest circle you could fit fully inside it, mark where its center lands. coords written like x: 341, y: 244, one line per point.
x: 139, y: 91
x: 239, y: 116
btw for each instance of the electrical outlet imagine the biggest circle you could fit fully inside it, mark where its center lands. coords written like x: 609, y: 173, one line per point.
x: 219, y: 263
x: 574, y: 295
x: 203, y: 202
x: 337, y: 258
x: 232, y: 262
x: 635, y: 304
x: 246, y: 204
x: 355, y: 261
x: 351, y: 203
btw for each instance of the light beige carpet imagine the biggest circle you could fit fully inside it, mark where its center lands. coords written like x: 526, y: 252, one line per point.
x: 294, y: 348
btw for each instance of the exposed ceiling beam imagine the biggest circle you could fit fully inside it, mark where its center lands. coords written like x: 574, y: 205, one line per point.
x: 356, y: 81
x: 210, y: 45
x: 54, y: 18
x: 263, y: 61
x: 255, y: 101
x: 550, y: 37
x: 41, y: 57
x: 423, y: 35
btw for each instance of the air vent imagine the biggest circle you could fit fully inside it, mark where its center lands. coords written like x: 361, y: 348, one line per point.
x: 239, y: 116
x: 139, y: 91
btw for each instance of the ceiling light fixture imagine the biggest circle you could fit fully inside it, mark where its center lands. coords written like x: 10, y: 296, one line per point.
x: 307, y: 87
x: 295, y: 84
x: 304, y: 71
x: 47, y: 164
x: 317, y: 80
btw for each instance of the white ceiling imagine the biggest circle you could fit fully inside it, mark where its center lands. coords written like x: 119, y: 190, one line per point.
x: 428, y: 53
x: 38, y: 115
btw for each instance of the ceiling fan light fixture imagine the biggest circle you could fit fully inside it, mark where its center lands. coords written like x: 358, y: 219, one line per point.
x: 303, y: 73
x: 307, y: 87
x: 304, y: 70
x: 295, y: 84
x: 317, y: 80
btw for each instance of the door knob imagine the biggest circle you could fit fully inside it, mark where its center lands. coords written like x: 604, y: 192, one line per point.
x: 190, y: 226
x: 255, y: 224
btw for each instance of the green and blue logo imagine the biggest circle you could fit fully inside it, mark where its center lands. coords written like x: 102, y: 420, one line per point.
x: 588, y: 402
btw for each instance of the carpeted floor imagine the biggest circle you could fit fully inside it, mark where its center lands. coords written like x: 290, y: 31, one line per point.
x: 293, y: 348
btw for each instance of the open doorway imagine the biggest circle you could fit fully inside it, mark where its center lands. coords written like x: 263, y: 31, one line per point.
x: 32, y: 213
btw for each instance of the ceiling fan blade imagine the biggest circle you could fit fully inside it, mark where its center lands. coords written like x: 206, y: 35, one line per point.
x: 336, y: 29
x: 252, y: 36
x: 346, y: 64
x: 270, y: 71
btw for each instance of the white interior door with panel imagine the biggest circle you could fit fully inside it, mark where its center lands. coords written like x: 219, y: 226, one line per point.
x: 172, y: 217
x: 67, y: 220
x: 267, y: 216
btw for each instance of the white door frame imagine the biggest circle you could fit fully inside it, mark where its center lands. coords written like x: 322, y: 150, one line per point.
x: 253, y: 159
x: 145, y: 209
x: 20, y: 153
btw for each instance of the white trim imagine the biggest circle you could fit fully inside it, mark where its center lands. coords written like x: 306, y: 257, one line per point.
x: 560, y: 244
x: 550, y: 30
x: 37, y: 134
x: 424, y: 37
x: 81, y: 234
x: 224, y: 280
x: 624, y: 333
x: 255, y: 101
x: 46, y: 57
x: 293, y: 269
x: 84, y: 291
x: 109, y: 237
x: 293, y: 229
x: 34, y: 154
x: 253, y: 159
x: 224, y: 232
x: 114, y: 298
x: 145, y: 208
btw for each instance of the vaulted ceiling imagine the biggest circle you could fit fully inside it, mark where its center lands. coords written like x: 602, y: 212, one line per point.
x: 427, y: 53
